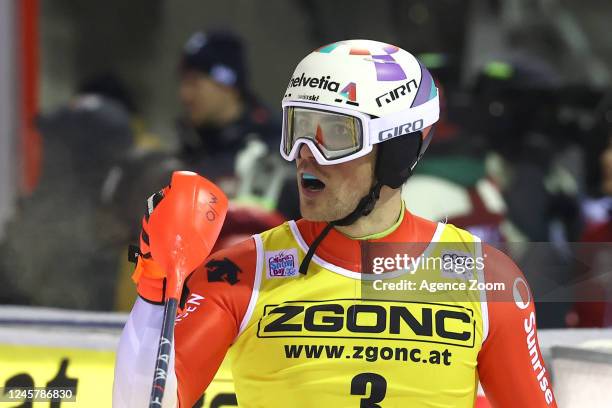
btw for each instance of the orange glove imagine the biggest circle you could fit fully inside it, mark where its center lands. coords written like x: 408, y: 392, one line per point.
x: 180, y: 228
x: 149, y: 276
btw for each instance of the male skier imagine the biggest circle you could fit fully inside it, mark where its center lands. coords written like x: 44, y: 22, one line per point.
x: 289, y: 304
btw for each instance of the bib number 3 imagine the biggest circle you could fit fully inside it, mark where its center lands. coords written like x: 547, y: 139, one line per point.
x: 378, y: 389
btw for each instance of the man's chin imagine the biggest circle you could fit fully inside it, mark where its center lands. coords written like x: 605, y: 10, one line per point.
x: 318, y: 214
x: 313, y: 212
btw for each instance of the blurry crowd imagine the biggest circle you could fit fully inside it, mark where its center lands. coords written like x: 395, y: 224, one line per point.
x: 518, y: 158
x: 521, y: 159
x: 69, y: 240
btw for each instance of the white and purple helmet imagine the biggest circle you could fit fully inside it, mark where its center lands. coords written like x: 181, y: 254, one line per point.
x: 386, y: 89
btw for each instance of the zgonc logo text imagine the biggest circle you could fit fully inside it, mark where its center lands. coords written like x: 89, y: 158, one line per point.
x: 395, y: 321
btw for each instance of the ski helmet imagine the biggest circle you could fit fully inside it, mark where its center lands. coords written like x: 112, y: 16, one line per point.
x: 377, y: 93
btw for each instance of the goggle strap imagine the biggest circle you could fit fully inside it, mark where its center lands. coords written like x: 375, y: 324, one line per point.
x: 365, y: 207
x: 403, y: 122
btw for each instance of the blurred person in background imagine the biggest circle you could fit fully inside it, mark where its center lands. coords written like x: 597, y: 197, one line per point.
x: 597, y: 204
x: 139, y: 169
x: 535, y: 131
x: 227, y: 133
x: 593, y: 307
x: 535, y: 163
x: 144, y: 164
x: 61, y: 248
x: 453, y: 186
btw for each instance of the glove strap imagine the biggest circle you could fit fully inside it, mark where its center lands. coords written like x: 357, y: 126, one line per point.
x: 150, y: 280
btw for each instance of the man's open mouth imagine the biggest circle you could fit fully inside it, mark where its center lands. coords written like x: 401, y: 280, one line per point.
x: 311, y: 182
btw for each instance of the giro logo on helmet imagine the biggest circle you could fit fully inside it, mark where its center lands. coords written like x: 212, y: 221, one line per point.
x: 322, y: 83
x: 400, y: 130
x: 394, y: 94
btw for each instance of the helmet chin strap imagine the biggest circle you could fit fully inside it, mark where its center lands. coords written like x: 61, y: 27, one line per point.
x: 364, y: 207
x: 393, y: 175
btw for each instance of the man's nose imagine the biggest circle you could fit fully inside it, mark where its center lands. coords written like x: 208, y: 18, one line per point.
x: 305, y: 152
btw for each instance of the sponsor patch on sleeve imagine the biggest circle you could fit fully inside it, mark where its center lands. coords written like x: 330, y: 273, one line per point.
x: 282, y: 264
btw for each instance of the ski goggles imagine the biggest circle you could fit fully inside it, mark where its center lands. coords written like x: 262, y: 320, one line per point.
x: 337, y: 135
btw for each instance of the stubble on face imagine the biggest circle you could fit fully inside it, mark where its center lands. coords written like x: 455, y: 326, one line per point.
x: 345, y: 185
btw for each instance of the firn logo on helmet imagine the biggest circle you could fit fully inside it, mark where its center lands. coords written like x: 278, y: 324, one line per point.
x: 322, y: 83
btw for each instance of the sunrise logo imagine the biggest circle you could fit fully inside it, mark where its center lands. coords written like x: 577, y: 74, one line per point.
x: 384, y: 63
